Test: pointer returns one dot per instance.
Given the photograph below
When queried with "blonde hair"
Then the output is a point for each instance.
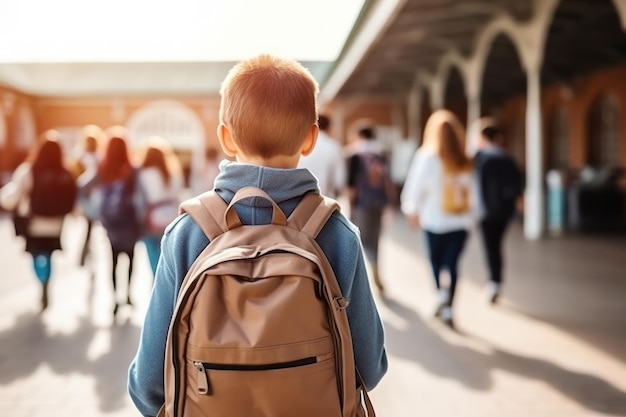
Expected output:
(269, 104)
(445, 136)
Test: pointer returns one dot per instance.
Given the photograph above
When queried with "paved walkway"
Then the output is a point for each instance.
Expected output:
(555, 346)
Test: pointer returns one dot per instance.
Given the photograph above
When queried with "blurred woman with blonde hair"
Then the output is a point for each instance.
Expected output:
(440, 196)
(161, 184)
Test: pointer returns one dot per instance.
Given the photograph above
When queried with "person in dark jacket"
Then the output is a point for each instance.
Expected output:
(500, 183)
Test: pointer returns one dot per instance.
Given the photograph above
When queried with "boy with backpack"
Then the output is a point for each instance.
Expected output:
(237, 302)
(500, 182)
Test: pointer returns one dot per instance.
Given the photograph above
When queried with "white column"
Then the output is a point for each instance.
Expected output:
(533, 201)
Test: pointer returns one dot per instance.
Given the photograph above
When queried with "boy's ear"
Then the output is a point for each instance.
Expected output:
(309, 142)
(226, 140)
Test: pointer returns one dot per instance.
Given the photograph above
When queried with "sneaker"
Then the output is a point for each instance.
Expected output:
(446, 316)
(493, 291)
(443, 298)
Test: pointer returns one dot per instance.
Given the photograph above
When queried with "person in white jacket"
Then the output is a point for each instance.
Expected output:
(440, 197)
(326, 161)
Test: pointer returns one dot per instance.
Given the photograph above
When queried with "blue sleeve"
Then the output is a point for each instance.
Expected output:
(145, 375)
(342, 245)
(180, 246)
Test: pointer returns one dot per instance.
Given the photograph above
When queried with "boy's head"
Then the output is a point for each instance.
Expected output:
(268, 106)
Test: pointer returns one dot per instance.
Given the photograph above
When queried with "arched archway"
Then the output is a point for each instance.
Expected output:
(454, 95)
(503, 77)
(583, 36)
(177, 124)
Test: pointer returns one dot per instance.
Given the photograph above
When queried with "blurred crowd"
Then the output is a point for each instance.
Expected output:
(134, 194)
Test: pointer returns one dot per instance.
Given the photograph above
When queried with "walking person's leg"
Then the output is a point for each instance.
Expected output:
(434, 242)
(493, 235)
(131, 257)
(85, 251)
(454, 244)
(115, 254)
(42, 265)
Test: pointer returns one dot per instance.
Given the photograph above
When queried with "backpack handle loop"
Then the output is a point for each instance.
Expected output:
(231, 217)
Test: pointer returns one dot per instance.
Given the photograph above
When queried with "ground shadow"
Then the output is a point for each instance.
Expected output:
(29, 344)
(421, 342)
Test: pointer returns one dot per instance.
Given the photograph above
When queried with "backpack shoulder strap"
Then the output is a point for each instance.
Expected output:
(203, 210)
(312, 213)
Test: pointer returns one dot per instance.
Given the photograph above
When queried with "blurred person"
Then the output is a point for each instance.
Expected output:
(369, 191)
(161, 183)
(326, 161)
(85, 164)
(440, 196)
(43, 191)
(204, 179)
(116, 181)
(500, 184)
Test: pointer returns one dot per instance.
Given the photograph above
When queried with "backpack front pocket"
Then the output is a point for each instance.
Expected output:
(303, 387)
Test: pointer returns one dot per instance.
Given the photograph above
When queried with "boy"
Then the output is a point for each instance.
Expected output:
(268, 116)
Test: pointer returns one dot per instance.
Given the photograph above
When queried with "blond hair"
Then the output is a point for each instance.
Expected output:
(269, 104)
(445, 136)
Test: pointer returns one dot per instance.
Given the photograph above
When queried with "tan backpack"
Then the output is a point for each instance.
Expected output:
(260, 326)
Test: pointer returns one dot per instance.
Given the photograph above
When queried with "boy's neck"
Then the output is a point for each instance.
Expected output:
(278, 161)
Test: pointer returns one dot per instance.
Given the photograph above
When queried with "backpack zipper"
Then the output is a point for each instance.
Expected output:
(204, 385)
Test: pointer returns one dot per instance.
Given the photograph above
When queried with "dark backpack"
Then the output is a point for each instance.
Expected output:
(372, 181)
(501, 185)
(117, 206)
(53, 193)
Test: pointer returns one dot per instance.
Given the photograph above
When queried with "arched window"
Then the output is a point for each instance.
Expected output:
(558, 157)
(603, 135)
(177, 124)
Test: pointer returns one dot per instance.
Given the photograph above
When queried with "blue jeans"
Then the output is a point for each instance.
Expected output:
(444, 252)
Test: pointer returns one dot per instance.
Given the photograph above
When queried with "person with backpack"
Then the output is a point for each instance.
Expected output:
(116, 183)
(500, 183)
(369, 192)
(42, 190)
(440, 197)
(258, 280)
(85, 163)
(160, 181)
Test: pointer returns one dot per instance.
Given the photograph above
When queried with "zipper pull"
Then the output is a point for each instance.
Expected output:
(203, 379)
